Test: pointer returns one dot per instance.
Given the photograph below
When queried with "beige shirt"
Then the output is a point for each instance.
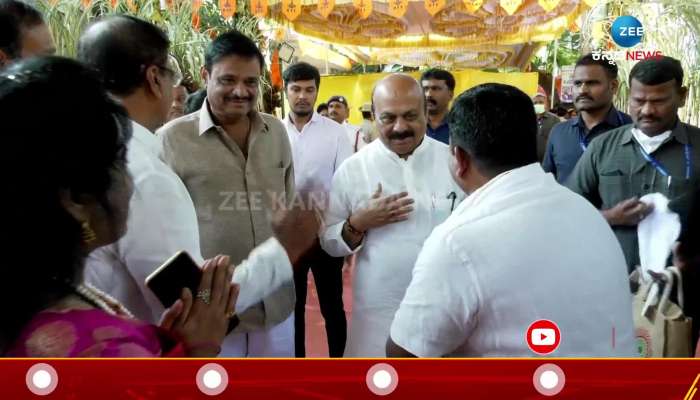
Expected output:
(234, 196)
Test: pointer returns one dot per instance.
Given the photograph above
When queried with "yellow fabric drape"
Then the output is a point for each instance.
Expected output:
(473, 5)
(357, 89)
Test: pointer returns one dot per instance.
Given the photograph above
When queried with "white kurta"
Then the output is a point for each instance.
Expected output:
(386, 257)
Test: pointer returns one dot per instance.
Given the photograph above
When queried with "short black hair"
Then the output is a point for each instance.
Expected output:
(76, 158)
(657, 70)
(609, 68)
(441, 75)
(231, 43)
(195, 101)
(496, 125)
(321, 107)
(301, 71)
(121, 47)
(15, 16)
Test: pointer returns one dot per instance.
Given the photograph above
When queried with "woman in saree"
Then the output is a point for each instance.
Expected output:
(66, 193)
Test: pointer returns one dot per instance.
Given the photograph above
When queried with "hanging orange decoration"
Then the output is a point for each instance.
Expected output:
(397, 8)
(473, 5)
(86, 3)
(548, 5)
(325, 7)
(227, 8)
(196, 20)
(291, 9)
(258, 8)
(363, 7)
(114, 4)
(511, 6)
(131, 5)
(275, 73)
(434, 6)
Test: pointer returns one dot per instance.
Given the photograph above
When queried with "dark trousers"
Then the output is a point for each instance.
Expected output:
(328, 276)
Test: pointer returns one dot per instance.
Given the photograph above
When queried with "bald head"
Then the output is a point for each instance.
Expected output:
(120, 47)
(397, 85)
(399, 109)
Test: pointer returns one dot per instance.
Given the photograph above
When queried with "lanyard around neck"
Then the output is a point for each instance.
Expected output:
(583, 142)
(654, 162)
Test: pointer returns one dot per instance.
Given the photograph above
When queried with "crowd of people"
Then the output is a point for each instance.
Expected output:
(466, 218)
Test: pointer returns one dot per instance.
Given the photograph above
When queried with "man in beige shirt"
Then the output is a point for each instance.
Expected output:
(237, 166)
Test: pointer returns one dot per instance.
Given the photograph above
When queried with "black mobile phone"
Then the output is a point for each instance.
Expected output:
(179, 272)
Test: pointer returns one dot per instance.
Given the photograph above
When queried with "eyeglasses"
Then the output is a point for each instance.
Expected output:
(173, 68)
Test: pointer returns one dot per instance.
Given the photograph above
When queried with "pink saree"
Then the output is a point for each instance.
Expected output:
(91, 333)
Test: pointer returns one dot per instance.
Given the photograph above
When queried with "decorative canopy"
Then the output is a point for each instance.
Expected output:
(498, 33)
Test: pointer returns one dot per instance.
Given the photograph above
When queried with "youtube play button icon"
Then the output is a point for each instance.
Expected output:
(543, 336)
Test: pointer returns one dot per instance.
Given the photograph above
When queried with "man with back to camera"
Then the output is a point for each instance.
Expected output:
(595, 85)
(504, 258)
(657, 154)
(438, 86)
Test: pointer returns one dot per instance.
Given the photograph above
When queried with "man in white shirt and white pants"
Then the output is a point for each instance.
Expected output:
(385, 201)
(319, 147)
(162, 219)
(520, 248)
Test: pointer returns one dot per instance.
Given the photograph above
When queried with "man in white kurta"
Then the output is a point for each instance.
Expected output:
(162, 218)
(386, 227)
(520, 248)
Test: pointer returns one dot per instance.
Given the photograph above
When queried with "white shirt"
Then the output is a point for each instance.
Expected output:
(519, 249)
(317, 151)
(162, 221)
(387, 255)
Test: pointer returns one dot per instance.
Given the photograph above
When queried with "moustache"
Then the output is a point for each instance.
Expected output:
(651, 118)
(237, 98)
(584, 97)
(431, 101)
(400, 135)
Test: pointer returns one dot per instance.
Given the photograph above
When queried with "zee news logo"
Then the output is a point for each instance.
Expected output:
(626, 31)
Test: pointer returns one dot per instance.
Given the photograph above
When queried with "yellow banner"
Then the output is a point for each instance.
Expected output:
(591, 3)
(258, 8)
(511, 6)
(227, 8)
(364, 7)
(291, 9)
(548, 5)
(325, 7)
(434, 6)
(473, 5)
(357, 89)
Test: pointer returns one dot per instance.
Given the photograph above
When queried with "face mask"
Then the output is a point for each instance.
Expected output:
(539, 108)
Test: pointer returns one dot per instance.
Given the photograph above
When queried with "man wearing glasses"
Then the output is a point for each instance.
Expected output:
(132, 56)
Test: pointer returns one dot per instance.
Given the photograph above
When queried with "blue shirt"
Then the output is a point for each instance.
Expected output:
(568, 140)
(442, 133)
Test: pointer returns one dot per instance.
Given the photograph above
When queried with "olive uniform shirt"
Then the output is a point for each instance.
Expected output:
(613, 169)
